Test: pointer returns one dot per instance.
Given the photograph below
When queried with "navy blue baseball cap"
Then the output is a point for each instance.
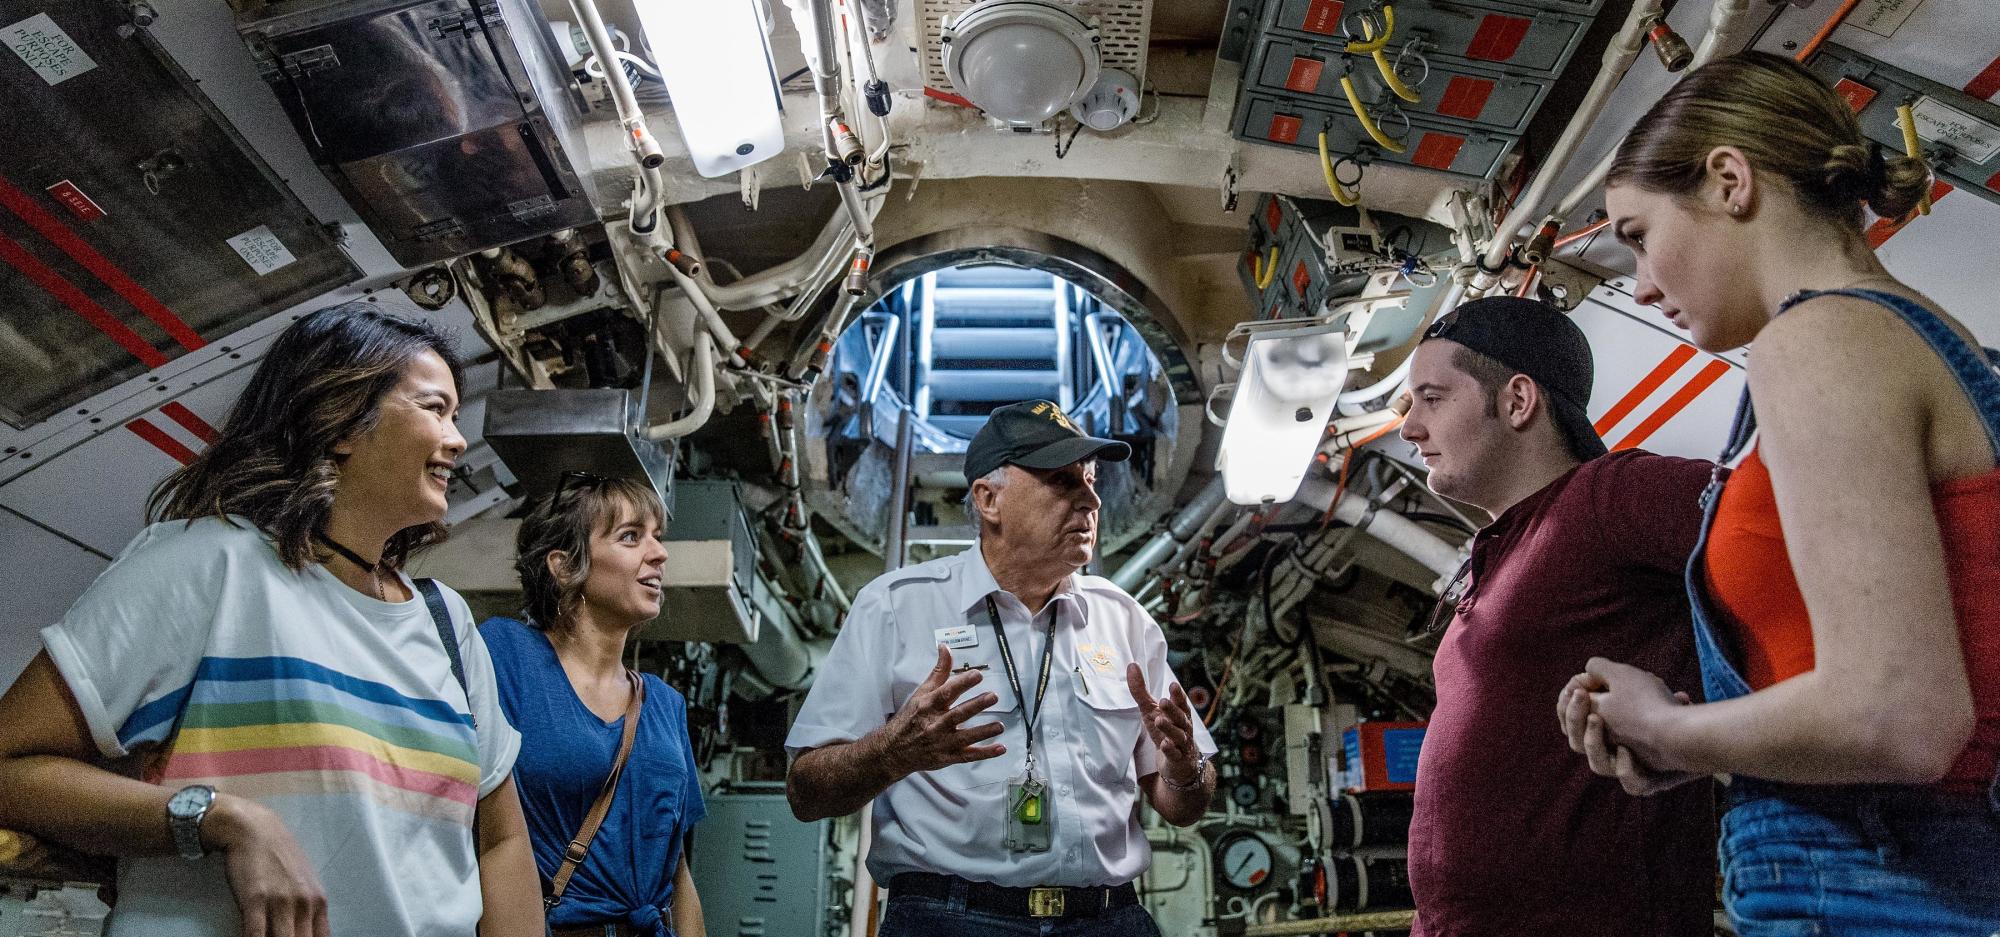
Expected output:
(1035, 434)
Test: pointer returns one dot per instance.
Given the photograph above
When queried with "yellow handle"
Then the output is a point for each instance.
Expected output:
(1376, 44)
(1264, 270)
(1367, 123)
(1340, 193)
(1388, 71)
(1906, 116)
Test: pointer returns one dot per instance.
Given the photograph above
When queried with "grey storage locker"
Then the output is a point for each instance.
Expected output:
(1454, 91)
(1432, 144)
(1489, 35)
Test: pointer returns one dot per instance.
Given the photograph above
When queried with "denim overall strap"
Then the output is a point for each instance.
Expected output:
(1969, 363)
(1719, 677)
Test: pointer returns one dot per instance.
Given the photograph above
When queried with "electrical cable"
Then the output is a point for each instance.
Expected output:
(1367, 121)
(1340, 194)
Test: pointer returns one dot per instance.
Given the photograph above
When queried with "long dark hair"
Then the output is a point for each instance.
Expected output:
(565, 520)
(1787, 122)
(273, 462)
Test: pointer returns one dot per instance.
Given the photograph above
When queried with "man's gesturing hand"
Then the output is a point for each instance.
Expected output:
(1169, 725)
(926, 733)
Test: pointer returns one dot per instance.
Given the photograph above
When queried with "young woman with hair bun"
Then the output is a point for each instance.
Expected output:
(1844, 609)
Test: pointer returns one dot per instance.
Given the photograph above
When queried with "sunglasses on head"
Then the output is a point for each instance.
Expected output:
(579, 480)
(1443, 327)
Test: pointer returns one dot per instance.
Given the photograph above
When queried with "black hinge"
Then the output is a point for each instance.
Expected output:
(452, 25)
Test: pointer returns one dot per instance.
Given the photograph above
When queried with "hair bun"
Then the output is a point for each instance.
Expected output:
(1853, 170)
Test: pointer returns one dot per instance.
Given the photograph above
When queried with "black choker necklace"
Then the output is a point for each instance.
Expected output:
(349, 555)
(374, 569)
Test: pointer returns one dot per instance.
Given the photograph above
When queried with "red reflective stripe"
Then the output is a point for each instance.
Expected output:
(1994, 182)
(1284, 128)
(1885, 228)
(1674, 405)
(1305, 74)
(190, 421)
(161, 441)
(1498, 38)
(1437, 150)
(99, 267)
(1465, 98)
(1272, 215)
(1856, 94)
(44, 276)
(1323, 17)
(1301, 278)
(1987, 83)
(1638, 394)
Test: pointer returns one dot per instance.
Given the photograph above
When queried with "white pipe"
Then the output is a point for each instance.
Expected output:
(644, 148)
(709, 316)
(1727, 22)
(765, 286)
(1618, 56)
(703, 365)
(1387, 526)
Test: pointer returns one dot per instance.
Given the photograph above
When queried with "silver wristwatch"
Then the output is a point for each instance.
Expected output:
(185, 811)
(1200, 769)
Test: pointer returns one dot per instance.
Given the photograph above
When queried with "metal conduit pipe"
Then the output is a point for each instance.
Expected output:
(1728, 28)
(1387, 526)
(1179, 531)
(710, 318)
(780, 656)
(1618, 56)
(703, 365)
(645, 148)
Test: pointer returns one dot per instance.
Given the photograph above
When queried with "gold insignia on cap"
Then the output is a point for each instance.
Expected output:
(1055, 415)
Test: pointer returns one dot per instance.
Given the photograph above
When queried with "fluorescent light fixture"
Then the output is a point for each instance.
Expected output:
(1290, 382)
(716, 60)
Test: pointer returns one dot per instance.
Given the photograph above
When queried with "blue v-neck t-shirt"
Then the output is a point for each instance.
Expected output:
(566, 752)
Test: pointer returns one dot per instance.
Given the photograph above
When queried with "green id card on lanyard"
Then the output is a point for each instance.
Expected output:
(1030, 814)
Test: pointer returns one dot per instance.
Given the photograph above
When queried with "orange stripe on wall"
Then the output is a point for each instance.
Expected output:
(1674, 405)
(1638, 394)
(1885, 228)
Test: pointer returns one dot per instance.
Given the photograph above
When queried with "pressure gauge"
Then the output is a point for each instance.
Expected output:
(1245, 860)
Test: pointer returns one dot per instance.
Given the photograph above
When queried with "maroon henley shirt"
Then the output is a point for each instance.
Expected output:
(1513, 834)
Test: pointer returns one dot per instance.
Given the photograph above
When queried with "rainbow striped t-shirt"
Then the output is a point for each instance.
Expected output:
(337, 711)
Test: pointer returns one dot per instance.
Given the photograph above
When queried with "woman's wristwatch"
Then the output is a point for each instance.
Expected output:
(1200, 770)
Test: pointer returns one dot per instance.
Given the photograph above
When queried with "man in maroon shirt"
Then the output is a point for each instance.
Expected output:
(1513, 834)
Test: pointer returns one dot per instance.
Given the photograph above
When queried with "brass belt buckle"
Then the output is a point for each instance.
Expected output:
(1045, 902)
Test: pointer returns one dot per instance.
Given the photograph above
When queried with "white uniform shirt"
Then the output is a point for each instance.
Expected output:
(1090, 743)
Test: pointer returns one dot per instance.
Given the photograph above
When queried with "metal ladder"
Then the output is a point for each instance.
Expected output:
(996, 334)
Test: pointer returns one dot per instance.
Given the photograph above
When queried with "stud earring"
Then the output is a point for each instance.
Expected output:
(1736, 209)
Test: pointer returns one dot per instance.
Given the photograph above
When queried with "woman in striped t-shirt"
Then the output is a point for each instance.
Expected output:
(316, 758)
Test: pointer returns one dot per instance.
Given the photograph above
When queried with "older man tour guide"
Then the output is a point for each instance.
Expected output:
(1005, 712)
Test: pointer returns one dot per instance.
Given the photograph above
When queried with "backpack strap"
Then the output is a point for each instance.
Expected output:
(447, 635)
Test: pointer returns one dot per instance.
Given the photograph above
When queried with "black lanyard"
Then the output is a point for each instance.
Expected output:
(1031, 716)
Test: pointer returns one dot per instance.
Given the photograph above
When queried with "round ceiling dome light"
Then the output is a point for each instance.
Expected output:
(1020, 61)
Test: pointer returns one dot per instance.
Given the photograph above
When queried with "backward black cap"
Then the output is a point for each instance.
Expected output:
(1035, 434)
(1536, 339)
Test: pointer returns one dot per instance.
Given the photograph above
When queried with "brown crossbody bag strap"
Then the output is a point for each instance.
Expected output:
(580, 846)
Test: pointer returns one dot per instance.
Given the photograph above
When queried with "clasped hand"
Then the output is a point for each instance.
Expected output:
(1606, 712)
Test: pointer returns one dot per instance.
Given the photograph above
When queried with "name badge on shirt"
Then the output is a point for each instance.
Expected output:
(958, 636)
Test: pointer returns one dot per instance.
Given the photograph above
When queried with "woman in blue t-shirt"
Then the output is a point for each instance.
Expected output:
(590, 559)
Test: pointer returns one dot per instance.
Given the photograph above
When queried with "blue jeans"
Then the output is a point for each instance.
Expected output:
(1884, 863)
(917, 916)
